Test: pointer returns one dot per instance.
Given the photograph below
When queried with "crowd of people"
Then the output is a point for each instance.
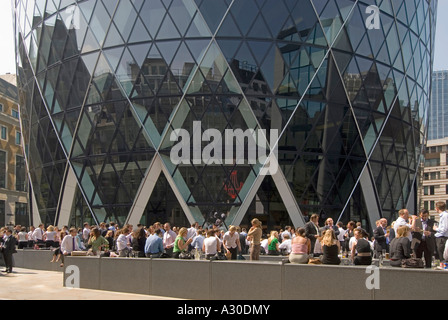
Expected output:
(407, 238)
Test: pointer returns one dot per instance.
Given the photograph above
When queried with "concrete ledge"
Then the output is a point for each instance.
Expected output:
(180, 278)
(324, 282)
(119, 275)
(240, 280)
(245, 280)
(232, 280)
(34, 259)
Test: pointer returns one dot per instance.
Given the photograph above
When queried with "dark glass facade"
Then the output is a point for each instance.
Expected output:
(104, 83)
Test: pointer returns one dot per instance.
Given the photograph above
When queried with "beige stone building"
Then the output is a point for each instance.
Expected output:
(435, 175)
(13, 177)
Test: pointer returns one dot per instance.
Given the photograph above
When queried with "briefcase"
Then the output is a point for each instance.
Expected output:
(79, 253)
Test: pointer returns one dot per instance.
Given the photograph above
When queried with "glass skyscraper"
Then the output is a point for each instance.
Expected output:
(438, 113)
(104, 84)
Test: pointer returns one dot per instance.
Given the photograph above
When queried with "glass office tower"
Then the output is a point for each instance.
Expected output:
(438, 112)
(104, 84)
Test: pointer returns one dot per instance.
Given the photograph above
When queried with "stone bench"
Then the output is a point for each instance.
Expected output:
(245, 280)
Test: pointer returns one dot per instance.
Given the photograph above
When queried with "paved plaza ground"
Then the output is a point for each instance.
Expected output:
(25, 284)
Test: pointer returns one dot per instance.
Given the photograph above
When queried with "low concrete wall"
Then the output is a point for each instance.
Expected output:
(244, 280)
(34, 259)
(270, 279)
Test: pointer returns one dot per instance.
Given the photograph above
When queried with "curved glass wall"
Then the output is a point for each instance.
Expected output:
(104, 84)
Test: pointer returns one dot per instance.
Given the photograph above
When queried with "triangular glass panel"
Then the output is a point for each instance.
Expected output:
(167, 30)
(100, 23)
(139, 33)
(152, 14)
(113, 37)
(125, 18)
(213, 12)
(198, 28)
(259, 29)
(228, 28)
(275, 14)
(162, 204)
(244, 12)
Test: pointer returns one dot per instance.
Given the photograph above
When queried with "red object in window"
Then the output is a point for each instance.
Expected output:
(235, 187)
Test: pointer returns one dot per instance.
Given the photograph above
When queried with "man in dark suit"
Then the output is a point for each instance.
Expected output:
(312, 230)
(381, 237)
(8, 249)
(424, 236)
(329, 225)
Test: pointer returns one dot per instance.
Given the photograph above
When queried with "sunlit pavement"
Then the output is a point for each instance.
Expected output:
(25, 284)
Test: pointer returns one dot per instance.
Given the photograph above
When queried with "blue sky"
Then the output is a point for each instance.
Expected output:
(7, 60)
(441, 49)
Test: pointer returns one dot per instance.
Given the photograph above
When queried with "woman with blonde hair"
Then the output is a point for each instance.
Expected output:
(254, 236)
(400, 247)
(180, 244)
(50, 237)
(231, 242)
(273, 245)
(330, 248)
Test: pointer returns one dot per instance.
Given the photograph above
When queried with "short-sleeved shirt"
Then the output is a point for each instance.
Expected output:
(273, 245)
(231, 241)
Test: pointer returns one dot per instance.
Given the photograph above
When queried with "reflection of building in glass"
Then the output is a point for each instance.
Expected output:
(106, 87)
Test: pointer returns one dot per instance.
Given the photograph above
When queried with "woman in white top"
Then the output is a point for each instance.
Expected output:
(231, 242)
(49, 237)
(122, 243)
(22, 238)
(211, 245)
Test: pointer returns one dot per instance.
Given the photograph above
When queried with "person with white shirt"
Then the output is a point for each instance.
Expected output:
(403, 219)
(123, 243)
(22, 238)
(211, 245)
(286, 232)
(441, 231)
(169, 237)
(265, 245)
(341, 236)
(50, 237)
(86, 233)
(198, 241)
(231, 242)
(191, 234)
(38, 234)
(285, 247)
(69, 244)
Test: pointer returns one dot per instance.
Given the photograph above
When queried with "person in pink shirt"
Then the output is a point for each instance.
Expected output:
(169, 238)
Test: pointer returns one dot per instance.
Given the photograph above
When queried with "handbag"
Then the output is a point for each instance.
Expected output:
(219, 256)
(185, 255)
(228, 255)
(412, 263)
(314, 261)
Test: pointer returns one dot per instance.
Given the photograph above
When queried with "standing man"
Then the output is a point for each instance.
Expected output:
(8, 249)
(312, 230)
(169, 237)
(425, 237)
(442, 230)
(405, 220)
(86, 233)
(381, 236)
